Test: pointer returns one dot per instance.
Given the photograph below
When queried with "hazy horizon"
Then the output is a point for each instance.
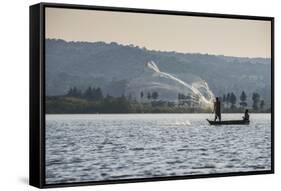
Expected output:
(134, 45)
(182, 34)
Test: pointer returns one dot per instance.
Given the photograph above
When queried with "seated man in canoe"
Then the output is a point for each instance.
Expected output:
(217, 109)
(246, 115)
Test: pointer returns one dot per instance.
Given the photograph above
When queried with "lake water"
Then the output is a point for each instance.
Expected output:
(125, 146)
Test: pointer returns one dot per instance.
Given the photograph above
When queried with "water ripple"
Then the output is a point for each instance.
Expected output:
(109, 147)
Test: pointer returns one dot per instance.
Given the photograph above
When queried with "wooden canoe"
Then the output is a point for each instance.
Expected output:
(229, 122)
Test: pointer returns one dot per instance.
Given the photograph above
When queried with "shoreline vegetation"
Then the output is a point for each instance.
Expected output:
(92, 101)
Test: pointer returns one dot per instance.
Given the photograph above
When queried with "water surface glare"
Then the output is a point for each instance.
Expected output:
(98, 147)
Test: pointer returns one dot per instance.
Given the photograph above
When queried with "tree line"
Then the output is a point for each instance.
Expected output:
(91, 93)
(230, 100)
(93, 100)
(149, 95)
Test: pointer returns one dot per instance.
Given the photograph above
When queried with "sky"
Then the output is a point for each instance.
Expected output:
(186, 34)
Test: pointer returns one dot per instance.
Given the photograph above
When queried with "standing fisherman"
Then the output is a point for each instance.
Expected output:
(217, 109)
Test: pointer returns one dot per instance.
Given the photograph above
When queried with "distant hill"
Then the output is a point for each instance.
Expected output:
(113, 67)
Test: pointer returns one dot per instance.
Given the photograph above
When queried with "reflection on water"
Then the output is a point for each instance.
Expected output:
(125, 146)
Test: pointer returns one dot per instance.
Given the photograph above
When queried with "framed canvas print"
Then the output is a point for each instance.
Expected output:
(123, 95)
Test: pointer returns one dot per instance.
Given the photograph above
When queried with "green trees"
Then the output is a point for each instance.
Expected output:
(180, 96)
(262, 104)
(243, 98)
(183, 97)
(74, 92)
(228, 99)
(224, 98)
(88, 94)
(232, 100)
(154, 95)
(256, 100)
(141, 95)
(148, 96)
(89, 101)
(92, 100)
(98, 94)
(93, 94)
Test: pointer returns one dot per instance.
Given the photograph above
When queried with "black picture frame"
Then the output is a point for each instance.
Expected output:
(37, 93)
